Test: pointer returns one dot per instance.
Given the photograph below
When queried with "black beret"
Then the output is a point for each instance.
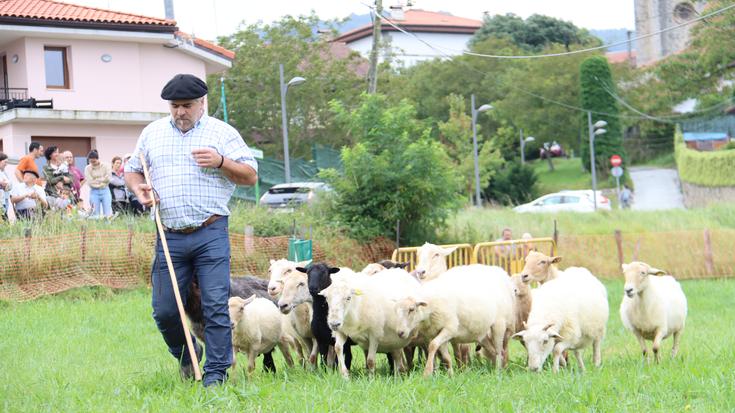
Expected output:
(184, 87)
(31, 171)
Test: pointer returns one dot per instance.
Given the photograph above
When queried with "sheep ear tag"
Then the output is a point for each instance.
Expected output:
(358, 292)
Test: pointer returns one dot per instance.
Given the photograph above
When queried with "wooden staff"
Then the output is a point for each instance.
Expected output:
(174, 281)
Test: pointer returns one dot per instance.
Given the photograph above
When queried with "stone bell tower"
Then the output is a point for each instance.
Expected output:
(654, 15)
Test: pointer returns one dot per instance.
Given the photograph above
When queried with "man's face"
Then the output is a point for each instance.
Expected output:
(186, 113)
(507, 235)
(2, 164)
(37, 153)
(69, 157)
(29, 178)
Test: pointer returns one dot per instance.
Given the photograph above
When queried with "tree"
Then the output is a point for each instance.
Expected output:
(252, 85)
(395, 172)
(456, 136)
(597, 90)
(534, 33)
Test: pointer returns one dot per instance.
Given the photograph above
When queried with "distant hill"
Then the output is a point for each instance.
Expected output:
(353, 21)
(613, 36)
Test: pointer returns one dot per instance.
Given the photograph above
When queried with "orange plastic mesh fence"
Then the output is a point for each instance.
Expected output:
(32, 267)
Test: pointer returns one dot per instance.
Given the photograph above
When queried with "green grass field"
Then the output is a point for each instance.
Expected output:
(567, 174)
(93, 350)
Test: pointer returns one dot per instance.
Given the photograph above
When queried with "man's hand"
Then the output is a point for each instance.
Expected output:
(144, 194)
(207, 157)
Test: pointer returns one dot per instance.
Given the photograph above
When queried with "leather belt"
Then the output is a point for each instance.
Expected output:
(188, 230)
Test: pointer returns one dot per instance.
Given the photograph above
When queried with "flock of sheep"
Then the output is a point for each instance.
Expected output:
(322, 311)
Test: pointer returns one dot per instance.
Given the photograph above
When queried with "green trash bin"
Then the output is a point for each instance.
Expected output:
(299, 250)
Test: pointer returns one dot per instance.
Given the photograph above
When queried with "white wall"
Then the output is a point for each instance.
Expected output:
(409, 50)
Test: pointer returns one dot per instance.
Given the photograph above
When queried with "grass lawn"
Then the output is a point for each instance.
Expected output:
(97, 351)
(567, 174)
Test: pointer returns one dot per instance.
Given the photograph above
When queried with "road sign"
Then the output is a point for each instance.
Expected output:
(617, 171)
(616, 160)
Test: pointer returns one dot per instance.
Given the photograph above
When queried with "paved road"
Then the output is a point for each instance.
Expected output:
(656, 189)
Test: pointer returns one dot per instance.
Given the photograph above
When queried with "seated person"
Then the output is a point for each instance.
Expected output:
(505, 250)
(28, 198)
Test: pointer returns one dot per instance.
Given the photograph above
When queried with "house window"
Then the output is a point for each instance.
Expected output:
(57, 68)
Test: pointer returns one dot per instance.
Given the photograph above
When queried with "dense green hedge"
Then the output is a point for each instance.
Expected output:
(715, 168)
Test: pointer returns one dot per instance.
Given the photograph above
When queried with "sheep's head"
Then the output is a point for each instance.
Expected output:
(319, 276)
(539, 341)
(520, 288)
(277, 270)
(392, 264)
(372, 269)
(340, 297)
(237, 308)
(295, 291)
(636, 277)
(410, 313)
(538, 266)
(432, 261)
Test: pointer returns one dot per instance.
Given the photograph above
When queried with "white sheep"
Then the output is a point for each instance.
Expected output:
(542, 268)
(363, 308)
(295, 301)
(256, 328)
(466, 304)
(277, 270)
(372, 269)
(523, 300)
(431, 261)
(653, 307)
(568, 313)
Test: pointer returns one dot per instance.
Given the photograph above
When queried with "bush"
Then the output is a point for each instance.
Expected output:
(512, 185)
(395, 172)
(704, 168)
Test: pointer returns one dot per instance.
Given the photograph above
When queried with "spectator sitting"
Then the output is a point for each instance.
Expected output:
(57, 176)
(77, 175)
(505, 250)
(27, 196)
(118, 191)
(97, 175)
(5, 188)
(28, 162)
(527, 245)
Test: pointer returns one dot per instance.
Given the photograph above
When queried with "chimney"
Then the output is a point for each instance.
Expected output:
(168, 5)
(396, 12)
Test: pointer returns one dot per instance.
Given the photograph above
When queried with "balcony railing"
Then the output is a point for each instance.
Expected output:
(10, 93)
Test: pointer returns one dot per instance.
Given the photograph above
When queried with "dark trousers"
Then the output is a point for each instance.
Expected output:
(204, 254)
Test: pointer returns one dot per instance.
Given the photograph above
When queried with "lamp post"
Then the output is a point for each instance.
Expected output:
(475, 111)
(523, 146)
(284, 121)
(594, 130)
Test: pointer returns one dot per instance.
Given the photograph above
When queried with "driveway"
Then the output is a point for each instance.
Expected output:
(656, 189)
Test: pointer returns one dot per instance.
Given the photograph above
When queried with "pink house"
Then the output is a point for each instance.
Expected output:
(83, 78)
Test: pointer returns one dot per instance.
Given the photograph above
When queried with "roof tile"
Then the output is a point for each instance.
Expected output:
(54, 10)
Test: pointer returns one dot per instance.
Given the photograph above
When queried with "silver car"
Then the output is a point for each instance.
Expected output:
(285, 197)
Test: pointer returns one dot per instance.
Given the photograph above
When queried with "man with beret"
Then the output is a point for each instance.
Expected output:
(195, 162)
(27, 196)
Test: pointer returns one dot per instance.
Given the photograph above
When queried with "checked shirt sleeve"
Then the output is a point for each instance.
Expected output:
(133, 164)
(235, 148)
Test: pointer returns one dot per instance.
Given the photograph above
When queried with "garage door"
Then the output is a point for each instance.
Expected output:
(79, 146)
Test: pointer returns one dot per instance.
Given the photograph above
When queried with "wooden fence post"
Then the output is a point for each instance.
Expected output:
(249, 239)
(709, 264)
(130, 240)
(619, 243)
(84, 243)
(556, 235)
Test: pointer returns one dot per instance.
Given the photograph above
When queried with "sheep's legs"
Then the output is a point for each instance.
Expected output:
(597, 352)
(339, 344)
(657, 345)
(286, 351)
(314, 352)
(251, 361)
(675, 348)
(372, 350)
(398, 364)
(559, 349)
(434, 345)
(498, 339)
(233, 367)
(444, 351)
(642, 343)
(580, 361)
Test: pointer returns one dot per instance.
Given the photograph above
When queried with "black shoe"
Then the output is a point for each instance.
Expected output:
(186, 370)
(214, 380)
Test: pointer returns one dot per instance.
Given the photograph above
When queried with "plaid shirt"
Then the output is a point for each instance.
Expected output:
(188, 193)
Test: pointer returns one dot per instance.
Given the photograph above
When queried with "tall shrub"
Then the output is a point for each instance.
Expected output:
(596, 91)
(394, 173)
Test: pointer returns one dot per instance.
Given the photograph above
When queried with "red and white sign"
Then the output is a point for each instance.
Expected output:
(616, 160)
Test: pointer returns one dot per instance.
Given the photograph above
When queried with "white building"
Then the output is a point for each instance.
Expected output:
(449, 34)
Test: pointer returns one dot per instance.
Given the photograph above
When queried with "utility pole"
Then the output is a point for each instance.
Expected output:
(373, 70)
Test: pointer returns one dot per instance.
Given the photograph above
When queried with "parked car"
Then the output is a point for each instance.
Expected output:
(285, 197)
(552, 148)
(576, 200)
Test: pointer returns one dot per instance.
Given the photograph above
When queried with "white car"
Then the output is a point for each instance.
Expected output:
(284, 197)
(576, 201)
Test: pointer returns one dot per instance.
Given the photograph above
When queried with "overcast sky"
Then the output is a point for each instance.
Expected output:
(211, 18)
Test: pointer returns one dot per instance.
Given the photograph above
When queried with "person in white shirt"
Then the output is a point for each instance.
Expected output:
(5, 187)
(27, 197)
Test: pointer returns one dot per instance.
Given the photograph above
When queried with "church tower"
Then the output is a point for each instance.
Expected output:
(654, 15)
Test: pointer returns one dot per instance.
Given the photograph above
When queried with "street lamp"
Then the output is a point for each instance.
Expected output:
(284, 121)
(523, 146)
(475, 111)
(594, 130)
